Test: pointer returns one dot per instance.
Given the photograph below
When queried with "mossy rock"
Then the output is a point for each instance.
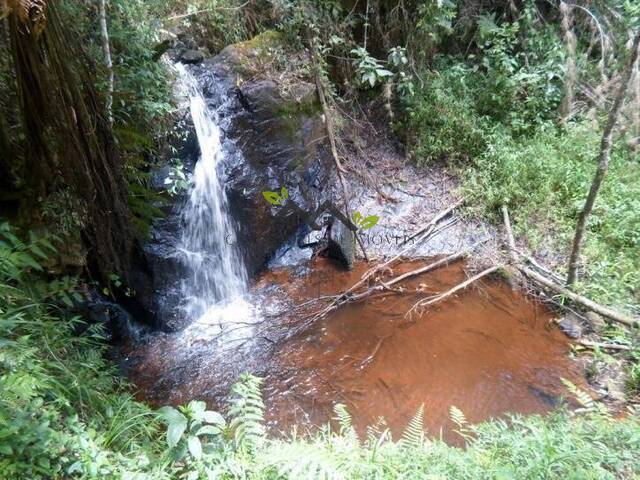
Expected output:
(268, 57)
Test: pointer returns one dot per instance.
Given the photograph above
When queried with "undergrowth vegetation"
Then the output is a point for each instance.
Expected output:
(492, 116)
(64, 413)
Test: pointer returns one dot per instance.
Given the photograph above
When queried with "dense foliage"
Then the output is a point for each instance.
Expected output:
(493, 117)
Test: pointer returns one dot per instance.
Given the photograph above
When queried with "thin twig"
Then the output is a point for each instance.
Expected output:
(430, 301)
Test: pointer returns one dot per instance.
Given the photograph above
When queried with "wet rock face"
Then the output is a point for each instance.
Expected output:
(275, 122)
(192, 56)
(272, 132)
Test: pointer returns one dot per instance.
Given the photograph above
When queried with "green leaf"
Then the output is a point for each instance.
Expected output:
(214, 418)
(209, 430)
(284, 193)
(177, 424)
(369, 222)
(29, 261)
(273, 198)
(175, 432)
(197, 409)
(35, 249)
(195, 447)
(170, 414)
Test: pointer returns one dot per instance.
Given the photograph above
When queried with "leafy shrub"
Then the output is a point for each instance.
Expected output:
(441, 118)
(544, 180)
(519, 87)
(62, 407)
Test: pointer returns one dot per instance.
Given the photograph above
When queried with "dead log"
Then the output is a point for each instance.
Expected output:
(609, 346)
(551, 285)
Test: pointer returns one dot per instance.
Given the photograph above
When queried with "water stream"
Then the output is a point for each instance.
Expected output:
(216, 282)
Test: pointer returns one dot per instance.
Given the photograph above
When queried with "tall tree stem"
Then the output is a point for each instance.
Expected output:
(106, 50)
(603, 163)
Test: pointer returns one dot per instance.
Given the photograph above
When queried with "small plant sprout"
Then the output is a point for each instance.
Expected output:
(275, 198)
(365, 223)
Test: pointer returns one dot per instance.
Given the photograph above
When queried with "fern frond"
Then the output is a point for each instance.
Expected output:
(413, 436)
(300, 460)
(375, 431)
(458, 417)
(247, 413)
(343, 417)
(589, 404)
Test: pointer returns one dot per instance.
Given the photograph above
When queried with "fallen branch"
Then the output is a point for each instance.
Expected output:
(442, 296)
(434, 220)
(432, 266)
(551, 285)
(510, 239)
(418, 271)
(343, 298)
(610, 346)
(576, 298)
(372, 356)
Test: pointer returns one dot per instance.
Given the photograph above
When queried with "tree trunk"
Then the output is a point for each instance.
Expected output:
(69, 140)
(603, 163)
(570, 61)
(106, 50)
(635, 109)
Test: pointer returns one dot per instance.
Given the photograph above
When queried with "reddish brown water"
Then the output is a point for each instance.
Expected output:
(488, 351)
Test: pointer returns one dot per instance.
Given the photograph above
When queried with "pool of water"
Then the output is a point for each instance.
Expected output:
(488, 350)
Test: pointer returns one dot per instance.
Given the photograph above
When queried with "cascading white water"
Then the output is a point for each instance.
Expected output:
(216, 280)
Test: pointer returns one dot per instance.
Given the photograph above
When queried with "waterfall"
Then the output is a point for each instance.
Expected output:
(216, 280)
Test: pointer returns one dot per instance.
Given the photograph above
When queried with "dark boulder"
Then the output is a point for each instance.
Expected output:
(342, 244)
(276, 124)
(192, 56)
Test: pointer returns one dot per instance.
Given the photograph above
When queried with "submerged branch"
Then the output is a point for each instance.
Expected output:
(444, 295)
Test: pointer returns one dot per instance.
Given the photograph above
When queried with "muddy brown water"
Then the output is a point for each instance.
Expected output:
(488, 351)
